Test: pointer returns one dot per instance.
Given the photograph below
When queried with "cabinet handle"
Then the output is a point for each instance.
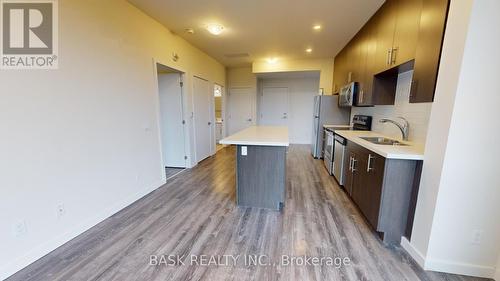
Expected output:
(354, 164)
(350, 163)
(389, 57)
(368, 167)
(361, 96)
(393, 55)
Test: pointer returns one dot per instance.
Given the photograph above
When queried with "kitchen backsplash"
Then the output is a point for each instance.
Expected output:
(417, 114)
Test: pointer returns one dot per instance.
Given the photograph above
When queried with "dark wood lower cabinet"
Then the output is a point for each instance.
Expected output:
(382, 189)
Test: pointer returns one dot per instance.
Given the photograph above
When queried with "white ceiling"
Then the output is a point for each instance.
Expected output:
(264, 28)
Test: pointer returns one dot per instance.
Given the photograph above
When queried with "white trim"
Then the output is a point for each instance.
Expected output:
(460, 268)
(49, 246)
(449, 266)
(187, 152)
(413, 252)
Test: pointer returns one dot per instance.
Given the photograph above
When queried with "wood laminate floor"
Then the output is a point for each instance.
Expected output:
(195, 214)
(170, 172)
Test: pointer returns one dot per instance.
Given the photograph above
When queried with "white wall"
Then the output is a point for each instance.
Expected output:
(442, 109)
(459, 190)
(497, 275)
(301, 103)
(417, 114)
(85, 135)
(324, 66)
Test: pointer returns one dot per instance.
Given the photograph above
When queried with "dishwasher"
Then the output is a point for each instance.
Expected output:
(338, 162)
(328, 151)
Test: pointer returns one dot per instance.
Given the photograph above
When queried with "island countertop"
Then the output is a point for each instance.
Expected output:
(259, 135)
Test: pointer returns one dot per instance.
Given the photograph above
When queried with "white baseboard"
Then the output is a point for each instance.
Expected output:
(460, 268)
(58, 241)
(447, 266)
(413, 252)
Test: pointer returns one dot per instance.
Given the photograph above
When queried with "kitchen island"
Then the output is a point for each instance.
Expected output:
(260, 166)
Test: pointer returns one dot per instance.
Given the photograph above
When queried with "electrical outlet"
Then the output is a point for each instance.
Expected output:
(477, 237)
(20, 228)
(61, 211)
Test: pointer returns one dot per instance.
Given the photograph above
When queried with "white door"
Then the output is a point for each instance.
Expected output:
(241, 109)
(171, 117)
(274, 106)
(202, 103)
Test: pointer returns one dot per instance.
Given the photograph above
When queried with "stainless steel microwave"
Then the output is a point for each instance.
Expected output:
(347, 94)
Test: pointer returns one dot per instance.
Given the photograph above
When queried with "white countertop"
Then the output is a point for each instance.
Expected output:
(411, 152)
(337, 126)
(259, 135)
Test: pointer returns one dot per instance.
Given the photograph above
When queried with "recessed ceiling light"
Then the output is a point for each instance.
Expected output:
(272, 60)
(317, 27)
(215, 29)
(309, 50)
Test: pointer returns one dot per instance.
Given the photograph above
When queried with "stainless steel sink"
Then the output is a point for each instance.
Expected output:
(383, 141)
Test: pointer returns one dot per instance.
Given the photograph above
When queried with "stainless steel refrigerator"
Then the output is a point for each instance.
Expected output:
(327, 112)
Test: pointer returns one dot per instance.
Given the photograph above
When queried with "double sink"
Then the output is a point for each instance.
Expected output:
(383, 141)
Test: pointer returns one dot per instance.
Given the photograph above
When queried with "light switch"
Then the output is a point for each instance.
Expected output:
(244, 151)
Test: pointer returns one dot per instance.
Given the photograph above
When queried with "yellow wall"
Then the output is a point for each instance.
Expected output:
(218, 107)
(88, 130)
(325, 66)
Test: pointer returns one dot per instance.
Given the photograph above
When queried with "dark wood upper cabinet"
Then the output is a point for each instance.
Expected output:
(356, 64)
(402, 35)
(385, 25)
(406, 32)
(368, 48)
(339, 76)
(428, 51)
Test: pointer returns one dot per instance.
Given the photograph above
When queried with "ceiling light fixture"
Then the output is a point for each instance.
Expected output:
(215, 29)
(309, 50)
(317, 27)
(272, 60)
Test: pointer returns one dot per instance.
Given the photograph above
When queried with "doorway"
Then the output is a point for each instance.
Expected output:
(203, 124)
(219, 115)
(275, 106)
(241, 109)
(171, 119)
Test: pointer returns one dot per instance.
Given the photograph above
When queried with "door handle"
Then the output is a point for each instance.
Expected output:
(368, 167)
(350, 163)
(209, 123)
(354, 164)
(249, 119)
(389, 57)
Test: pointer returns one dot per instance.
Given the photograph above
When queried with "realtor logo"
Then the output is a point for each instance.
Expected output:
(29, 34)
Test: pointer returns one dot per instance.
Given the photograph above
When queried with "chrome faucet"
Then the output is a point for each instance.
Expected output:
(405, 128)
